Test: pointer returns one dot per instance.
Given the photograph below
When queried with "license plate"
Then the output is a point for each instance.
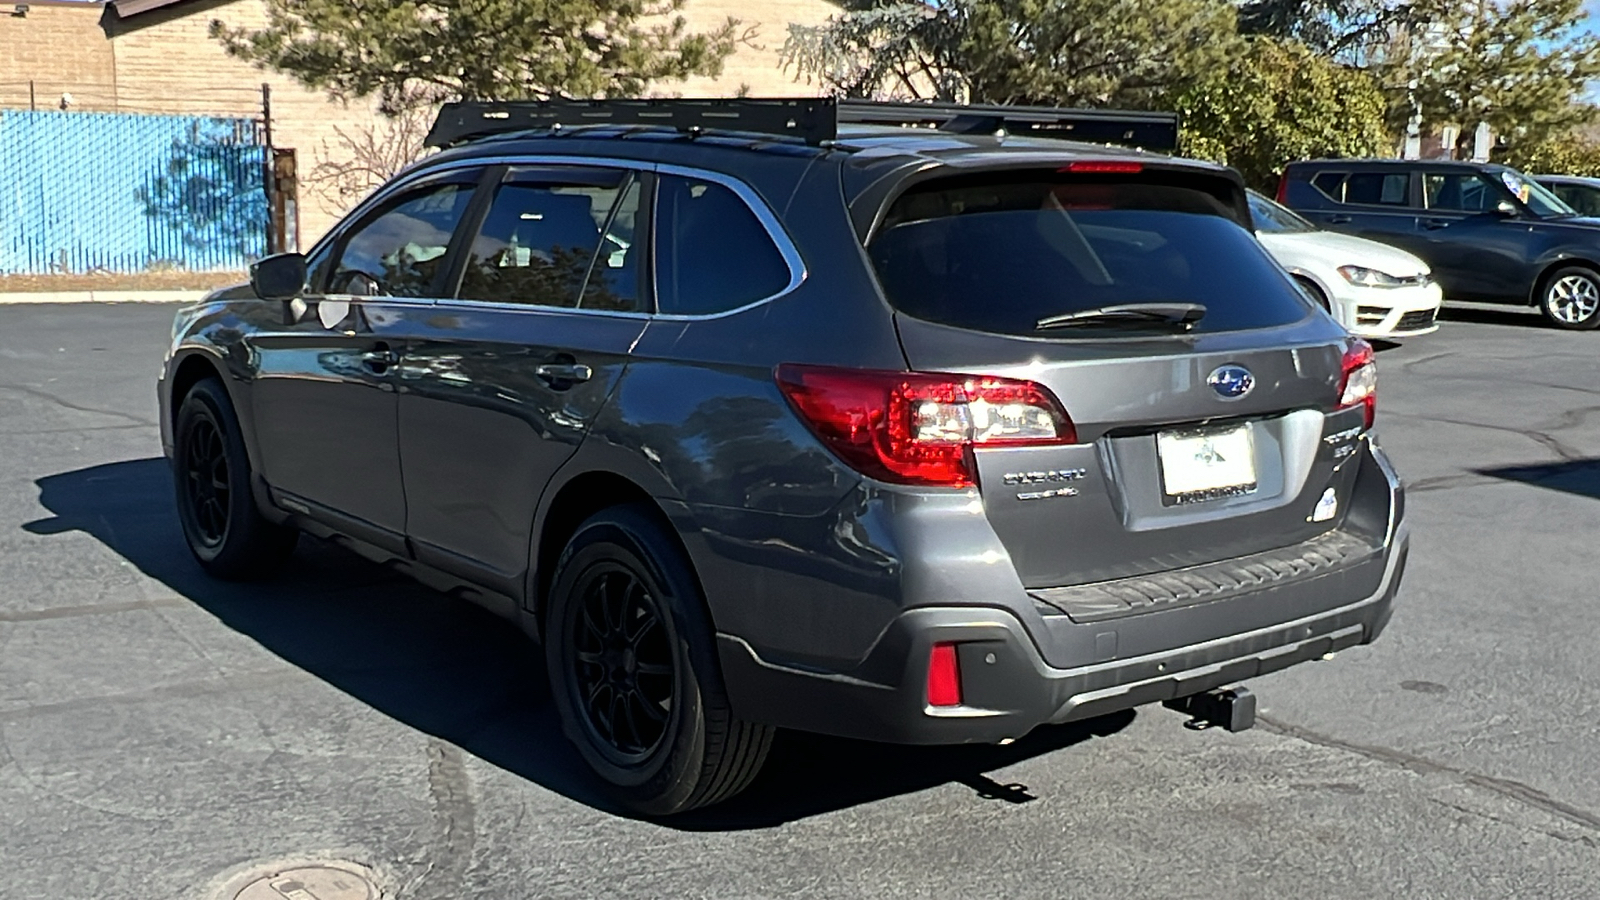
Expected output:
(1206, 464)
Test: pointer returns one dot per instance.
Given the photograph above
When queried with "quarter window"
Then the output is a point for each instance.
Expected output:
(541, 238)
(1462, 192)
(402, 250)
(712, 253)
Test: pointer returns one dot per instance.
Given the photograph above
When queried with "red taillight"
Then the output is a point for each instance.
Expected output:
(916, 427)
(1102, 167)
(1358, 384)
(1283, 189)
(944, 676)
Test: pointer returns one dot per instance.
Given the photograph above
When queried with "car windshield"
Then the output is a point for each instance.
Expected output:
(1535, 195)
(1002, 254)
(1271, 218)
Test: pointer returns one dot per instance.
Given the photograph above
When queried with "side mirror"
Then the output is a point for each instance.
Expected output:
(279, 277)
(1505, 209)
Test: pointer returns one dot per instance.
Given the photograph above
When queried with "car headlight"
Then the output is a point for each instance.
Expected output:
(1364, 277)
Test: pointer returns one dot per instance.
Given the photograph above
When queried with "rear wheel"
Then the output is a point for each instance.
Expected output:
(634, 673)
(225, 532)
(1570, 298)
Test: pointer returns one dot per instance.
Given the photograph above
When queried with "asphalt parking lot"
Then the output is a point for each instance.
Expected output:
(165, 736)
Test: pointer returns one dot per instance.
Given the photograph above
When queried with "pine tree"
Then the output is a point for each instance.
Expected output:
(407, 52)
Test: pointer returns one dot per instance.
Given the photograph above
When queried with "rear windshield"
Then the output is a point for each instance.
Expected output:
(999, 254)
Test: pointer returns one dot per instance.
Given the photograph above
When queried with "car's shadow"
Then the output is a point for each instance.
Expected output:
(1574, 476)
(451, 670)
(1513, 316)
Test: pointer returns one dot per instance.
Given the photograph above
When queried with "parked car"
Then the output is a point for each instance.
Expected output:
(911, 435)
(1489, 233)
(1582, 194)
(1372, 289)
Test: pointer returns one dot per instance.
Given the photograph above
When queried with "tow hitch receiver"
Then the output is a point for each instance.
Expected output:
(1231, 708)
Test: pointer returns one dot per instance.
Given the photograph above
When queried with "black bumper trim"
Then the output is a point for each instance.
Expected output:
(1009, 688)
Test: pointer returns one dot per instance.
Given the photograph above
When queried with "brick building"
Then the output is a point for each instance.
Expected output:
(155, 56)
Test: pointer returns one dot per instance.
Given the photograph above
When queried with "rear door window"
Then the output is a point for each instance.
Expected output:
(713, 254)
(1378, 189)
(1001, 253)
(1331, 184)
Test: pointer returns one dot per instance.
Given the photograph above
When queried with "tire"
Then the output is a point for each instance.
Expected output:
(211, 473)
(633, 669)
(1570, 298)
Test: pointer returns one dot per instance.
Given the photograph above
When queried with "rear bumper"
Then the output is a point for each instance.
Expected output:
(1008, 687)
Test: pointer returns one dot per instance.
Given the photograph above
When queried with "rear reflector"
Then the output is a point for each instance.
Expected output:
(944, 676)
(918, 427)
(1358, 385)
(1103, 167)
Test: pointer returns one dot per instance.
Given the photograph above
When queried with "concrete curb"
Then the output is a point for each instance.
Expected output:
(103, 297)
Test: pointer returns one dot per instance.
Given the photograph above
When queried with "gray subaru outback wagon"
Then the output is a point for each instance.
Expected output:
(766, 414)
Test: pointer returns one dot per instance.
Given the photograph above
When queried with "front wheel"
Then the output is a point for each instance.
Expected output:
(634, 673)
(1570, 298)
(225, 532)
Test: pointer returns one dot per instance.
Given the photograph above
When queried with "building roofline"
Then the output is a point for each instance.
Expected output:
(127, 9)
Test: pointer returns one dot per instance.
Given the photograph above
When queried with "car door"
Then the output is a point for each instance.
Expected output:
(500, 384)
(1478, 250)
(324, 400)
(1380, 205)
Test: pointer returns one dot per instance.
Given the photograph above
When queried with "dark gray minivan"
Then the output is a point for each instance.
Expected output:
(769, 414)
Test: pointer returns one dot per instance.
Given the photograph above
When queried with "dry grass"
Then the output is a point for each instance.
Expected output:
(175, 280)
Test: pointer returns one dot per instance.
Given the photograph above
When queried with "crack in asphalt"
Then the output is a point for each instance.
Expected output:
(1550, 442)
(1479, 814)
(1515, 791)
(94, 609)
(224, 685)
(76, 407)
(455, 832)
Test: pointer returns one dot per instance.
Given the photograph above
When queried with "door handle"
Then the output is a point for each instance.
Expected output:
(1338, 220)
(563, 375)
(379, 359)
(1435, 224)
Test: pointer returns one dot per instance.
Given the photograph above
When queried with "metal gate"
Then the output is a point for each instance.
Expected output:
(98, 192)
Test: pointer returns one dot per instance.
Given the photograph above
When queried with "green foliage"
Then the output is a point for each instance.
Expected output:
(1519, 65)
(1277, 102)
(408, 52)
(1564, 154)
(1078, 53)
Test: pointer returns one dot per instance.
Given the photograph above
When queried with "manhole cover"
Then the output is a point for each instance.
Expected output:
(308, 881)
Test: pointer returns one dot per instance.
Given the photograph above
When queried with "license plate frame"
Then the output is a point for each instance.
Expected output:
(1201, 464)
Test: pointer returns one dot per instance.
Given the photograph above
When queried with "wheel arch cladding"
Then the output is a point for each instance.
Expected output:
(574, 502)
(191, 370)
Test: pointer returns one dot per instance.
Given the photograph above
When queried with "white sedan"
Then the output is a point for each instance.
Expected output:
(1372, 289)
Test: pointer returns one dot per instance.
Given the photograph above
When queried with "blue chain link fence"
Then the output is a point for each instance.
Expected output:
(111, 192)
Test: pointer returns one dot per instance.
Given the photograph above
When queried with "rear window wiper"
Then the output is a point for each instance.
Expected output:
(1185, 314)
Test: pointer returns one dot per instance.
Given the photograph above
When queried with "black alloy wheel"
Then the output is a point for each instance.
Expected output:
(211, 473)
(632, 660)
(623, 663)
(205, 480)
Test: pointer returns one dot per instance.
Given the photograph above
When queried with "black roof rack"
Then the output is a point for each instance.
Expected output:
(813, 120)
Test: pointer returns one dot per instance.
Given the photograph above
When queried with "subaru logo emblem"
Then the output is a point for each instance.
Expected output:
(1231, 382)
